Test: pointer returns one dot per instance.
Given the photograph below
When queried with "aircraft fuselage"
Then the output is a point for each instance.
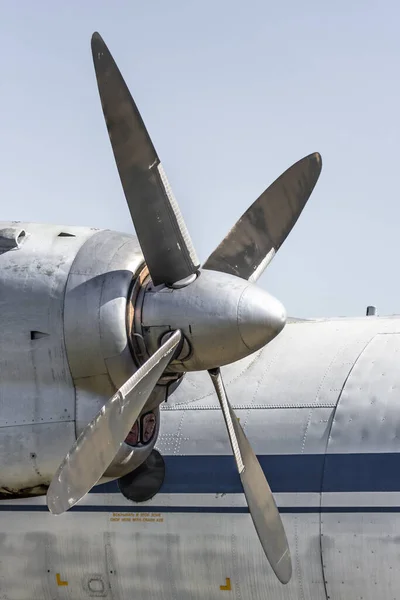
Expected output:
(320, 405)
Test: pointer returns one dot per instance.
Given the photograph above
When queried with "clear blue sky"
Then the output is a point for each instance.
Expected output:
(232, 94)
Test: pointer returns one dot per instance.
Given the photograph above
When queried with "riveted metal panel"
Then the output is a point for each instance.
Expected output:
(31, 454)
(305, 366)
(52, 560)
(169, 556)
(360, 544)
(35, 382)
(368, 415)
(198, 555)
(270, 431)
(304, 542)
(361, 555)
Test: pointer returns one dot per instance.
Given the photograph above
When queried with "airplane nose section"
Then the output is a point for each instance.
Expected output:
(260, 317)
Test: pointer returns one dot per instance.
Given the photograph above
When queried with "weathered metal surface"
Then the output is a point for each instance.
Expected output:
(101, 439)
(31, 453)
(194, 538)
(259, 233)
(37, 396)
(173, 556)
(164, 239)
(360, 551)
(35, 382)
(11, 238)
(96, 333)
(368, 417)
(305, 366)
(45, 341)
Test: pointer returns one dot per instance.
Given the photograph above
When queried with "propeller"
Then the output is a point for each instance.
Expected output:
(217, 314)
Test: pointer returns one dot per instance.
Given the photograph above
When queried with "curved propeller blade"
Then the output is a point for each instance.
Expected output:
(162, 234)
(253, 242)
(260, 500)
(101, 439)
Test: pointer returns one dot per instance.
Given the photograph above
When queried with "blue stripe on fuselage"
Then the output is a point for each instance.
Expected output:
(204, 510)
(217, 474)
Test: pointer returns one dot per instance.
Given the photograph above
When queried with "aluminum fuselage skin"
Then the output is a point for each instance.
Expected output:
(320, 405)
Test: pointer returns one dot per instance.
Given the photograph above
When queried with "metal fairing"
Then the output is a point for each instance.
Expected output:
(37, 396)
(96, 338)
(63, 334)
(320, 407)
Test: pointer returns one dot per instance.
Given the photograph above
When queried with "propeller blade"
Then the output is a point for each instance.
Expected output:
(159, 225)
(101, 439)
(261, 503)
(255, 239)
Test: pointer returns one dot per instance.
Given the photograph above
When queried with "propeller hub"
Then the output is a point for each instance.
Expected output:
(260, 317)
(223, 318)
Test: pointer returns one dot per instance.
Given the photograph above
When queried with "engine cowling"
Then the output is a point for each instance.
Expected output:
(104, 279)
(65, 339)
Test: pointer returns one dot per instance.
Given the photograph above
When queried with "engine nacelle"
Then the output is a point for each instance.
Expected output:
(65, 347)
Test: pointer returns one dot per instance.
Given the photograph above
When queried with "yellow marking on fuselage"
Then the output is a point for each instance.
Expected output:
(227, 587)
(59, 580)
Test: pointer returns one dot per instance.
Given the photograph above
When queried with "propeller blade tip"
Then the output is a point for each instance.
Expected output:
(318, 158)
(97, 43)
(96, 37)
(53, 507)
(283, 569)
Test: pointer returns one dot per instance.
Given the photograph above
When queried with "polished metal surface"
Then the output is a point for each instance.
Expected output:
(253, 242)
(162, 233)
(258, 314)
(260, 500)
(223, 318)
(99, 442)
